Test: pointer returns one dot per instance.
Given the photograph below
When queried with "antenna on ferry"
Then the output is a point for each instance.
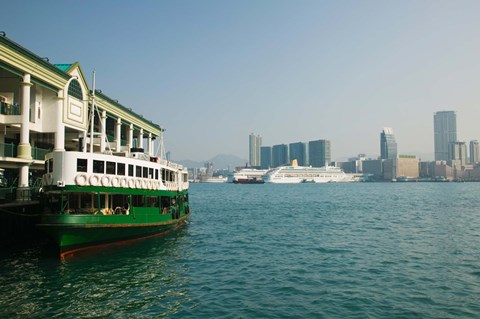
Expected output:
(92, 112)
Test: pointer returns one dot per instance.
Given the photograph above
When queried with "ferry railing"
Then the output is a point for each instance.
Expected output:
(9, 109)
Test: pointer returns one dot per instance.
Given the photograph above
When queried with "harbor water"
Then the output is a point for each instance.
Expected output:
(360, 250)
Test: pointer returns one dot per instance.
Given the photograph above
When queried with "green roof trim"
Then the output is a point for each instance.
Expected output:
(15, 46)
(128, 110)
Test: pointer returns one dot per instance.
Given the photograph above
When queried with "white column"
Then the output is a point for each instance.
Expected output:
(59, 127)
(103, 134)
(130, 137)
(24, 150)
(140, 138)
(118, 134)
(150, 145)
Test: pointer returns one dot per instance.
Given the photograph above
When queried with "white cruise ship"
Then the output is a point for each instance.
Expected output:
(305, 174)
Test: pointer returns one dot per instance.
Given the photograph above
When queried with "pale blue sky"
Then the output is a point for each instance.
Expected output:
(212, 72)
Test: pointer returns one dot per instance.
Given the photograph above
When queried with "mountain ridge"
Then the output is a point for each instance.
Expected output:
(220, 161)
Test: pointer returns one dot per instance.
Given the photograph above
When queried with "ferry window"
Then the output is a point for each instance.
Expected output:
(156, 174)
(121, 169)
(150, 173)
(81, 164)
(98, 167)
(130, 170)
(111, 168)
(145, 172)
(46, 167)
(185, 178)
(164, 175)
(50, 165)
(138, 172)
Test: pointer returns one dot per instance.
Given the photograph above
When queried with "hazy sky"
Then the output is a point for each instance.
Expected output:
(212, 72)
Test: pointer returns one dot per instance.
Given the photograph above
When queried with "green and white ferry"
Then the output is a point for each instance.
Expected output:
(95, 198)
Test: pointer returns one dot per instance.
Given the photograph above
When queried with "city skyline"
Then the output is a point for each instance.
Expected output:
(211, 72)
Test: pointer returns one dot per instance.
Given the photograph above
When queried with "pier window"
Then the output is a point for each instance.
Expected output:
(130, 170)
(121, 169)
(138, 172)
(98, 167)
(111, 168)
(82, 165)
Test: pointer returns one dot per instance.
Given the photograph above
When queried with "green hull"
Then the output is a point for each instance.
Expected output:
(78, 232)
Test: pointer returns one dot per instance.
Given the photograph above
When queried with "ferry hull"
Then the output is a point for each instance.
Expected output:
(75, 233)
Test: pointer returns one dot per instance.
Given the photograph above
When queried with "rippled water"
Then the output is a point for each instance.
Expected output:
(403, 250)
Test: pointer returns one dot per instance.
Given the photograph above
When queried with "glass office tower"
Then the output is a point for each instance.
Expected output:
(445, 132)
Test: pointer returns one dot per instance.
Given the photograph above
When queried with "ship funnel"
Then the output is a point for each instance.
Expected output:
(294, 162)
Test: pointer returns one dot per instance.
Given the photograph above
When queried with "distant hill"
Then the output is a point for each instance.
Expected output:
(221, 161)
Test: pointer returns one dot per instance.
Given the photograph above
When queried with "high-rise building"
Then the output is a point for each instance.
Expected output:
(298, 151)
(319, 153)
(445, 132)
(458, 152)
(388, 145)
(265, 157)
(279, 155)
(474, 152)
(254, 144)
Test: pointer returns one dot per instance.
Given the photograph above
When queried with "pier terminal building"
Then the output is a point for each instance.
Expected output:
(44, 107)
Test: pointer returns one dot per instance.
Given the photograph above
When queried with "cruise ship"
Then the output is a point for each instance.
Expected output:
(295, 174)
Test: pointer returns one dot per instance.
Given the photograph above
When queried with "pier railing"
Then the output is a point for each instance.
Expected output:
(10, 150)
(9, 109)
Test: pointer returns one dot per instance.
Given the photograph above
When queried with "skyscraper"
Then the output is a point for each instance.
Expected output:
(388, 145)
(458, 152)
(279, 155)
(298, 151)
(254, 144)
(445, 132)
(319, 153)
(266, 157)
(474, 152)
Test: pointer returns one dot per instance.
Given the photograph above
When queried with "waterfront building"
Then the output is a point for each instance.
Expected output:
(445, 132)
(265, 157)
(474, 152)
(254, 145)
(457, 153)
(373, 168)
(319, 153)
(279, 155)
(404, 166)
(46, 107)
(298, 151)
(388, 144)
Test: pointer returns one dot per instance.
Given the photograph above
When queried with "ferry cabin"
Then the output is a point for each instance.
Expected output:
(92, 183)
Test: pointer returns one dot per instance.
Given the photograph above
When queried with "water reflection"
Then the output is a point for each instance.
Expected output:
(136, 280)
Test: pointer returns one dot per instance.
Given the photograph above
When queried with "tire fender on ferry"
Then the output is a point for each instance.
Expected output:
(105, 181)
(115, 181)
(81, 179)
(94, 180)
